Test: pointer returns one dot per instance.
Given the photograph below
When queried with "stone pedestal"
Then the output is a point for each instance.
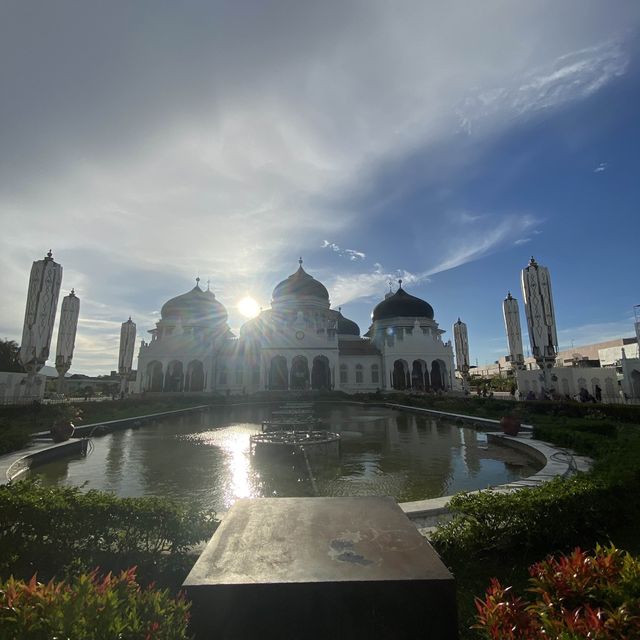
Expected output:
(320, 568)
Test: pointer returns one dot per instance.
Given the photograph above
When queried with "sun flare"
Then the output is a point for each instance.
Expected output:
(248, 307)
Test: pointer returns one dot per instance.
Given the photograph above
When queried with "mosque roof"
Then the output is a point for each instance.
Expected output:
(300, 285)
(346, 327)
(196, 307)
(402, 304)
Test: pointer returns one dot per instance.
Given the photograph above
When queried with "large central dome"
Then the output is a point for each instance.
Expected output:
(404, 305)
(298, 288)
(196, 308)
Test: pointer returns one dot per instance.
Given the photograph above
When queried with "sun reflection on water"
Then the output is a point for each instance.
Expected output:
(233, 441)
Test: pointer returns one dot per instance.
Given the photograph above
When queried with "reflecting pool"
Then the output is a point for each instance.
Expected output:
(205, 457)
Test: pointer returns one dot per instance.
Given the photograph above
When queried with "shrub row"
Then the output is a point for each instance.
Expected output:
(553, 515)
(58, 530)
(12, 439)
(90, 607)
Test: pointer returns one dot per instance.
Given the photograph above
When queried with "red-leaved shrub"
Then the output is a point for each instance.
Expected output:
(100, 608)
(576, 596)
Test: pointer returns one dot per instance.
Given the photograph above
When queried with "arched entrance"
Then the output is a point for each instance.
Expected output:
(173, 380)
(155, 376)
(417, 375)
(635, 383)
(321, 373)
(195, 376)
(278, 374)
(299, 373)
(438, 372)
(401, 378)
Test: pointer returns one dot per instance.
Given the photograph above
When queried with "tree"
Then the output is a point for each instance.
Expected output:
(9, 356)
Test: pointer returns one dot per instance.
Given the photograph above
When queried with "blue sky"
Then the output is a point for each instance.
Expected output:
(441, 142)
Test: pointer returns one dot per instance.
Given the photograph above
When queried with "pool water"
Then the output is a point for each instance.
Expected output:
(204, 457)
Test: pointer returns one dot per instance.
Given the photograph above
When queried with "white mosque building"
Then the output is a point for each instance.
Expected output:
(299, 343)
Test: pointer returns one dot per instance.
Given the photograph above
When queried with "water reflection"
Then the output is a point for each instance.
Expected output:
(204, 458)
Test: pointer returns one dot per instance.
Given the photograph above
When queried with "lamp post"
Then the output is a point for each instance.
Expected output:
(69, 313)
(39, 317)
(541, 322)
(125, 356)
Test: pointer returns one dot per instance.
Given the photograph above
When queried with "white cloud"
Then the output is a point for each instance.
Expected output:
(352, 254)
(600, 168)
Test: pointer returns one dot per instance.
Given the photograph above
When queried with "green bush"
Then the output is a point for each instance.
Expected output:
(553, 515)
(576, 596)
(90, 607)
(12, 439)
(55, 530)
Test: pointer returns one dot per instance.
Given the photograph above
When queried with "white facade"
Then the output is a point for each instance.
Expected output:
(15, 389)
(299, 343)
(570, 381)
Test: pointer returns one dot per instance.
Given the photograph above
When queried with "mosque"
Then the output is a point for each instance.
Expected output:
(299, 343)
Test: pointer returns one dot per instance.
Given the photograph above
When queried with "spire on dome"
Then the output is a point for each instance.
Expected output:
(300, 260)
(400, 283)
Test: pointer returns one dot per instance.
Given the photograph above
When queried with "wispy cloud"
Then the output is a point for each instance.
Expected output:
(370, 285)
(600, 168)
(567, 78)
(352, 254)
(477, 241)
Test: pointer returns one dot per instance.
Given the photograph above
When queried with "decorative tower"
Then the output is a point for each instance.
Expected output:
(511, 314)
(66, 336)
(39, 317)
(461, 340)
(541, 321)
(125, 357)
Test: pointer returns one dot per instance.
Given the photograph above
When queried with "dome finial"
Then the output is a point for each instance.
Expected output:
(208, 284)
(198, 281)
(339, 309)
(73, 292)
(49, 254)
(300, 260)
(532, 262)
(400, 283)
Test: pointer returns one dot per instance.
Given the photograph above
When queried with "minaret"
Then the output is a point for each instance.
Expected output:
(40, 315)
(511, 314)
(461, 340)
(66, 336)
(541, 321)
(125, 356)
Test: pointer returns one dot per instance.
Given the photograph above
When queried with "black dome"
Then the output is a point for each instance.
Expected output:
(300, 284)
(401, 304)
(196, 307)
(346, 327)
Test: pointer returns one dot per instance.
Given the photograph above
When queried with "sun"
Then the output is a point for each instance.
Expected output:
(248, 307)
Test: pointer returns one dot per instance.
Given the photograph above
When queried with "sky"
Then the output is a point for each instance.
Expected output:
(443, 143)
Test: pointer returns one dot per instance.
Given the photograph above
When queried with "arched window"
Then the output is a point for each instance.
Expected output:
(344, 374)
(375, 373)
(359, 375)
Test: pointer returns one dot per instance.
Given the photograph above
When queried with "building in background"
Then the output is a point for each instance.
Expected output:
(298, 343)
